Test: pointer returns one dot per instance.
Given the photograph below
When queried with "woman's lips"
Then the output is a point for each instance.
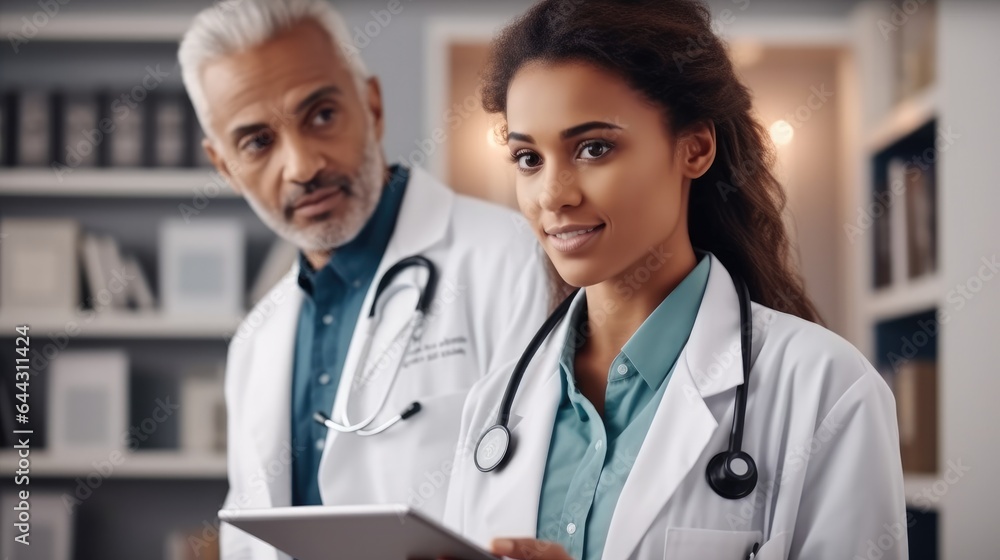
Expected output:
(320, 202)
(570, 241)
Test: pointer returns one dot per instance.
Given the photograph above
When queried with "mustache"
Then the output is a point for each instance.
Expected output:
(337, 181)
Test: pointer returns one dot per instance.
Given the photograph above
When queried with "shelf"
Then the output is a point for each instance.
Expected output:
(127, 183)
(906, 117)
(87, 324)
(104, 27)
(914, 296)
(140, 464)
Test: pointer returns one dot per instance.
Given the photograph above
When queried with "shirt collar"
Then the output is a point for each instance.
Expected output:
(655, 346)
(360, 256)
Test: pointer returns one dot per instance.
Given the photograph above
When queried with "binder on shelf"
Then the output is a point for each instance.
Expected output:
(8, 128)
(34, 129)
(168, 129)
(80, 136)
(126, 143)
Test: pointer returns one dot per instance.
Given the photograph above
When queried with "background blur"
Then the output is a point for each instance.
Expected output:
(884, 116)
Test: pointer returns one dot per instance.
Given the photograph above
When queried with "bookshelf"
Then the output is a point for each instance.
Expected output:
(94, 53)
(957, 333)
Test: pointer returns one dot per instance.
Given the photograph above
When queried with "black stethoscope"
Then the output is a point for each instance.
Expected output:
(732, 473)
(415, 326)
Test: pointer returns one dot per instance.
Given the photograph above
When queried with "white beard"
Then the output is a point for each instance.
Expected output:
(366, 190)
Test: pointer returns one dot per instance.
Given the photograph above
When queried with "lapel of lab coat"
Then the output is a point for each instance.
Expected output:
(269, 389)
(423, 220)
(513, 497)
(683, 424)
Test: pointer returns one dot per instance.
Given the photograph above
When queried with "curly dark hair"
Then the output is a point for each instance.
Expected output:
(667, 50)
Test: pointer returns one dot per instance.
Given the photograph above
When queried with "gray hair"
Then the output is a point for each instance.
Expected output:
(231, 26)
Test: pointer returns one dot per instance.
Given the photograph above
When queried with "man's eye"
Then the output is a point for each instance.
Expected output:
(594, 149)
(258, 142)
(323, 116)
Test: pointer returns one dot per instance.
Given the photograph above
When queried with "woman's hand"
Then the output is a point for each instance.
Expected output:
(528, 549)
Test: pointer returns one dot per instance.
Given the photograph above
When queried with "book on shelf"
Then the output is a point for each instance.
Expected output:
(914, 384)
(113, 279)
(905, 228)
(921, 220)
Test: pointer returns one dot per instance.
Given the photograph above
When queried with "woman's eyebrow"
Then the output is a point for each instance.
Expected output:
(569, 132)
(587, 127)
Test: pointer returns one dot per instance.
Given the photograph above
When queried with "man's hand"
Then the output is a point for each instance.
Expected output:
(528, 549)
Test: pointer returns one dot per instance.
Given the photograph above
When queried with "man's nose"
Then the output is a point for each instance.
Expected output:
(302, 161)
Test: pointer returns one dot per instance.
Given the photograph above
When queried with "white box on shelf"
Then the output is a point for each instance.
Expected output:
(88, 402)
(39, 268)
(49, 534)
(201, 267)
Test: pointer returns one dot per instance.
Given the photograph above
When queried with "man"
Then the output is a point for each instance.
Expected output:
(294, 124)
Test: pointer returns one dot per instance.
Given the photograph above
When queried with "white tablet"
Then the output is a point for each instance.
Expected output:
(374, 532)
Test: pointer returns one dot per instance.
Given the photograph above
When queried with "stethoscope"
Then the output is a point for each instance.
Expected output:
(416, 327)
(732, 473)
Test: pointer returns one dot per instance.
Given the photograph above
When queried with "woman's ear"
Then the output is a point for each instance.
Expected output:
(696, 149)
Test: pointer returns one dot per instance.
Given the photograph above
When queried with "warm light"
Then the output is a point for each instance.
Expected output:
(782, 132)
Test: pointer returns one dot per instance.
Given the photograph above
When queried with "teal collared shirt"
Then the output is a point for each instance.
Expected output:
(590, 457)
(333, 299)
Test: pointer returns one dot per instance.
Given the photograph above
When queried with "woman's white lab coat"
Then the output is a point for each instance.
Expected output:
(820, 424)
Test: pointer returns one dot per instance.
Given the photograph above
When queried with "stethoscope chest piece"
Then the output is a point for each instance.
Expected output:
(732, 474)
(492, 448)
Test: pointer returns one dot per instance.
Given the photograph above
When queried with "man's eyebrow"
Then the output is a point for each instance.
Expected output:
(241, 131)
(569, 132)
(316, 95)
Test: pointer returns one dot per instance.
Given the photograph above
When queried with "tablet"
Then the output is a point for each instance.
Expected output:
(375, 532)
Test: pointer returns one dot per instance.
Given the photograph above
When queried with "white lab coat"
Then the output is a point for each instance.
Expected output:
(820, 425)
(492, 293)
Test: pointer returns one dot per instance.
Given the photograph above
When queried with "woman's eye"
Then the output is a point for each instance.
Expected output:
(594, 149)
(527, 160)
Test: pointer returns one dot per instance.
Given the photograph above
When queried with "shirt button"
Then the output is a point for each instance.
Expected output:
(324, 379)
(599, 444)
(571, 528)
(622, 369)
(357, 283)
(320, 444)
(327, 319)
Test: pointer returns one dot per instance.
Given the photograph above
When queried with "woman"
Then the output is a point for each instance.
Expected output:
(648, 183)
